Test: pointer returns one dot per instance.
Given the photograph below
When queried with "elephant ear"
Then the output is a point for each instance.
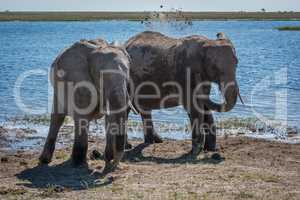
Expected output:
(219, 56)
(222, 36)
(213, 55)
(218, 51)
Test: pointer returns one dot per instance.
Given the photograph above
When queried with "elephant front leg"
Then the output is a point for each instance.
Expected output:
(150, 135)
(210, 131)
(198, 136)
(80, 146)
(55, 124)
(115, 140)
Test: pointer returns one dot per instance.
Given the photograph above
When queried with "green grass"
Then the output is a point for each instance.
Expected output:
(253, 176)
(137, 16)
(245, 195)
(249, 123)
(233, 123)
(288, 28)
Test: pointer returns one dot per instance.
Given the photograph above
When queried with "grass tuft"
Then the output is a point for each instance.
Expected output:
(245, 195)
(12, 191)
(52, 191)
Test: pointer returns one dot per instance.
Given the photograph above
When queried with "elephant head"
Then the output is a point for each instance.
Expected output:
(111, 65)
(109, 68)
(219, 66)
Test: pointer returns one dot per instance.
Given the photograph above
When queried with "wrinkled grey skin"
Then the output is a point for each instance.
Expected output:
(160, 59)
(85, 61)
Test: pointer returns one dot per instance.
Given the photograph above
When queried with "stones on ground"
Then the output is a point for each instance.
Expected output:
(291, 132)
(59, 188)
(52, 191)
(96, 155)
(23, 162)
(4, 159)
(12, 191)
(105, 181)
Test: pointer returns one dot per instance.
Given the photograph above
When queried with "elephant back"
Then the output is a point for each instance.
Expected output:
(71, 65)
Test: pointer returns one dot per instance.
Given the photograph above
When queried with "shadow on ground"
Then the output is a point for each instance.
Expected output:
(136, 155)
(65, 175)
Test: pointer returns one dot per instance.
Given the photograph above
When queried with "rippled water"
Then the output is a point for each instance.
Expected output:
(268, 72)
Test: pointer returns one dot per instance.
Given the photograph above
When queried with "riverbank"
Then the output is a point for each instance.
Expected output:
(29, 132)
(140, 16)
(288, 28)
(243, 169)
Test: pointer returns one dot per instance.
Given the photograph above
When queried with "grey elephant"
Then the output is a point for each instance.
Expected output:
(177, 67)
(90, 80)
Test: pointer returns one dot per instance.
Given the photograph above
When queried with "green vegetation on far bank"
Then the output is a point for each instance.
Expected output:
(136, 16)
(288, 28)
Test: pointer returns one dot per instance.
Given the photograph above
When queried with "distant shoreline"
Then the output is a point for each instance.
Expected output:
(139, 16)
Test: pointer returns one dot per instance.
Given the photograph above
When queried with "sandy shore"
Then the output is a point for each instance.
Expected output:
(244, 169)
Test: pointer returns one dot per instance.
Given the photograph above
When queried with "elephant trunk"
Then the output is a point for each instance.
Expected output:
(230, 92)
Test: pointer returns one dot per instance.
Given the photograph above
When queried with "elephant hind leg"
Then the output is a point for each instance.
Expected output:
(210, 139)
(80, 146)
(150, 135)
(49, 147)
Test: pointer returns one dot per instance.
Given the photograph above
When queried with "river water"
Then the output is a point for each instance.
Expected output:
(268, 71)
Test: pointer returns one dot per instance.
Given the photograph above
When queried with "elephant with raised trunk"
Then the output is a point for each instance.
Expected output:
(182, 69)
(90, 80)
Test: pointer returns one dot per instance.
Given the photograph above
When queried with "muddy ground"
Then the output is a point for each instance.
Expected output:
(244, 169)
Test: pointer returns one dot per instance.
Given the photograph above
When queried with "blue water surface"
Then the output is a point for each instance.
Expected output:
(268, 71)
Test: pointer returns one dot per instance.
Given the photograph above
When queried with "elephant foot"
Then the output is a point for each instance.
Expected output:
(196, 149)
(210, 143)
(44, 161)
(112, 158)
(45, 158)
(153, 138)
(128, 146)
(109, 167)
(211, 148)
(78, 160)
(79, 163)
(79, 154)
(113, 165)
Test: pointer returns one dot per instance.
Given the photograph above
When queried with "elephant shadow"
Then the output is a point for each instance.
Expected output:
(64, 176)
(136, 155)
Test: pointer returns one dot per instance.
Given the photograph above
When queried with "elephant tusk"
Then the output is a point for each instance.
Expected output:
(133, 108)
(241, 98)
(130, 103)
(107, 108)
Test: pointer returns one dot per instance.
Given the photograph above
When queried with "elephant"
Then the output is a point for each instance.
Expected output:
(90, 80)
(182, 69)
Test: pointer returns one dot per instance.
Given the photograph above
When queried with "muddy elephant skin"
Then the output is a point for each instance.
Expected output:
(180, 69)
(90, 80)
